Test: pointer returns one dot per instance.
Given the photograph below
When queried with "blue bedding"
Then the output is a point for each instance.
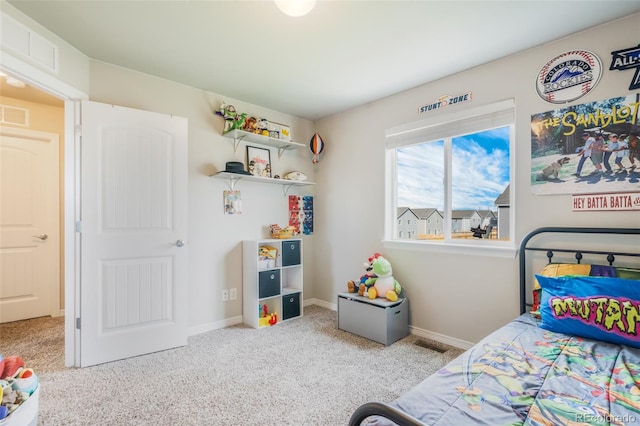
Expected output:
(522, 374)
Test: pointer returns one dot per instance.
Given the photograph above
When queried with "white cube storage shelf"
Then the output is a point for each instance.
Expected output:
(276, 283)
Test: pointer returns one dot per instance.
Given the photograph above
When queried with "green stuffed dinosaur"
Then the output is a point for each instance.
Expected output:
(383, 284)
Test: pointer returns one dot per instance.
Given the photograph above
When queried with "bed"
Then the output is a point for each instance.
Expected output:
(577, 364)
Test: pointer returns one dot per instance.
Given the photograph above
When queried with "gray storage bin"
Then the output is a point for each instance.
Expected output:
(269, 283)
(290, 305)
(290, 252)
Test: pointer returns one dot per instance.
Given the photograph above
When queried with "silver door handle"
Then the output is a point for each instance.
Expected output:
(178, 243)
(41, 237)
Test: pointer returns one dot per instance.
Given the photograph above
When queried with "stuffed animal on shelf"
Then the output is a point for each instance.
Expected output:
(238, 123)
(383, 284)
(228, 112)
(232, 120)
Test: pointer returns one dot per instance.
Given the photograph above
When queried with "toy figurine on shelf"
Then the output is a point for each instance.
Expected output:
(228, 112)
(232, 120)
(266, 318)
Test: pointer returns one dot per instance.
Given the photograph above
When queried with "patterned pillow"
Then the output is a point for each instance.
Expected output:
(555, 270)
(601, 308)
(628, 273)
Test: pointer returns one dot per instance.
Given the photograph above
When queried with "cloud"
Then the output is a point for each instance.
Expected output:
(420, 176)
(479, 167)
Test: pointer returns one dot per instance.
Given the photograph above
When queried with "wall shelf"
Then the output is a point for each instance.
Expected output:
(233, 178)
(240, 136)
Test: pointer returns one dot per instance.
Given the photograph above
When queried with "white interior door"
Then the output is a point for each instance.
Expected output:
(29, 224)
(133, 231)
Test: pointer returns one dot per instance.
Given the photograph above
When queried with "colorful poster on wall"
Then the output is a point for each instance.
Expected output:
(307, 211)
(232, 202)
(301, 213)
(587, 149)
(627, 59)
(294, 212)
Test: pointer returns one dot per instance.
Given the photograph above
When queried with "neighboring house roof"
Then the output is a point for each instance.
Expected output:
(426, 213)
(487, 213)
(503, 199)
(462, 214)
(403, 210)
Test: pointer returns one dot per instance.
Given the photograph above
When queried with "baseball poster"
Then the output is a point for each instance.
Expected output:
(588, 148)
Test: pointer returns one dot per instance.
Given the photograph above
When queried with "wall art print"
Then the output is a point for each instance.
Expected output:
(259, 161)
(294, 213)
(587, 149)
(232, 202)
(568, 76)
(307, 211)
(301, 213)
(627, 59)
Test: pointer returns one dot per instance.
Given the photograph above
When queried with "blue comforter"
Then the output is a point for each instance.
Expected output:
(522, 374)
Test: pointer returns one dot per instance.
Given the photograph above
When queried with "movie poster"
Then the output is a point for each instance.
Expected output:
(587, 148)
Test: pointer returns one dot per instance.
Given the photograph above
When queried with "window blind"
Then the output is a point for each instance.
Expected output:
(455, 124)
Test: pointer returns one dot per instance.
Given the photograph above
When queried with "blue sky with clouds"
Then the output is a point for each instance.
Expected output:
(480, 171)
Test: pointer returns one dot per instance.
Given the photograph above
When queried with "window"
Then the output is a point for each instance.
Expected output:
(461, 170)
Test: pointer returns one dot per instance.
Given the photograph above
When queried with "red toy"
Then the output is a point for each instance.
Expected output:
(273, 319)
(11, 365)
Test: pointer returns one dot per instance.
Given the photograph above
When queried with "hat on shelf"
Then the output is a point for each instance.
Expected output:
(235, 167)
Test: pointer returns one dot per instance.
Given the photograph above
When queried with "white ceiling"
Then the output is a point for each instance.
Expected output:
(341, 55)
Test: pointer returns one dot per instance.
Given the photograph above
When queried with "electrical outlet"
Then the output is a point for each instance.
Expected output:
(225, 295)
(233, 293)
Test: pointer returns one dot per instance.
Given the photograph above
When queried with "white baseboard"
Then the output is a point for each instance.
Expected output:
(203, 328)
(321, 303)
(447, 340)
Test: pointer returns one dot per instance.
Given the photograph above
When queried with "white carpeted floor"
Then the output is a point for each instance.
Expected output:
(300, 372)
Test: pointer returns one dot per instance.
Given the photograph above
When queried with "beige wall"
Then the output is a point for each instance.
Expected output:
(46, 118)
(215, 249)
(464, 297)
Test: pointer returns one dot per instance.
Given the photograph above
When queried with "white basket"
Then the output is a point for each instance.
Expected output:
(26, 413)
(266, 263)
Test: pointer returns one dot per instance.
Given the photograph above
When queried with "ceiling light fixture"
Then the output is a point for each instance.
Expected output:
(16, 83)
(295, 8)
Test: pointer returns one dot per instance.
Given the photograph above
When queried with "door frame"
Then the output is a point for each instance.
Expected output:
(71, 184)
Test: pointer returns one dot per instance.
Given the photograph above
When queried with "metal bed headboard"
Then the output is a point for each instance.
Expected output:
(527, 245)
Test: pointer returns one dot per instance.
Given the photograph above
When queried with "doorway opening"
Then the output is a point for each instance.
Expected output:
(32, 126)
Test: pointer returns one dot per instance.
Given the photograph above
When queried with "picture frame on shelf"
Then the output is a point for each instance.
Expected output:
(259, 161)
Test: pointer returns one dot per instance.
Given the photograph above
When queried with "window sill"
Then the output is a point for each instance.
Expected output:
(477, 249)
